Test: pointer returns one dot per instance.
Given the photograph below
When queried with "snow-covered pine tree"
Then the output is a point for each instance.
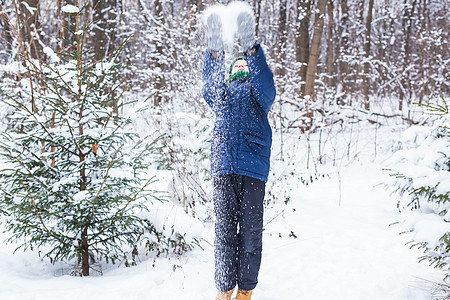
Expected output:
(74, 177)
(421, 172)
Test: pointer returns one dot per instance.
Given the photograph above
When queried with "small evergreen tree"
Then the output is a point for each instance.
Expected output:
(422, 173)
(74, 173)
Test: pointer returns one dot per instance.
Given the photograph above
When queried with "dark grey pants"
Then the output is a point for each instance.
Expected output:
(238, 208)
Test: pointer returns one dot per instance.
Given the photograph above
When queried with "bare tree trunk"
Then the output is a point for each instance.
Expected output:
(381, 51)
(159, 79)
(361, 4)
(84, 247)
(67, 25)
(407, 23)
(302, 39)
(5, 24)
(105, 18)
(257, 6)
(343, 48)
(282, 38)
(83, 241)
(29, 11)
(314, 58)
(28, 38)
(357, 75)
(424, 58)
(366, 79)
(315, 49)
(330, 46)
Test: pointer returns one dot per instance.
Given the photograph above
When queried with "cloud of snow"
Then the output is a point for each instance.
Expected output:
(228, 14)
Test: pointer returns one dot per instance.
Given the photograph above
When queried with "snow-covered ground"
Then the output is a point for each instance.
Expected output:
(335, 238)
(331, 241)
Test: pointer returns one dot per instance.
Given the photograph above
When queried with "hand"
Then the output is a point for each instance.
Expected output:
(214, 33)
(246, 31)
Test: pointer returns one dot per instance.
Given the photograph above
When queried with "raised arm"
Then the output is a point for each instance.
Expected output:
(213, 77)
(261, 78)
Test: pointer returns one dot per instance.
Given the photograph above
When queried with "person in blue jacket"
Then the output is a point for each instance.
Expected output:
(240, 154)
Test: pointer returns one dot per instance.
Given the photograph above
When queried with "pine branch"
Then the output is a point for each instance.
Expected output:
(113, 132)
(103, 182)
(37, 213)
(121, 212)
(56, 71)
(436, 108)
(32, 114)
(74, 139)
(23, 165)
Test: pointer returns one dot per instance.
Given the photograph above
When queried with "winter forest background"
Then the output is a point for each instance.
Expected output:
(360, 51)
(105, 132)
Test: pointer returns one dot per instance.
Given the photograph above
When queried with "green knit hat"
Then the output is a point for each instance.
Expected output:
(238, 74)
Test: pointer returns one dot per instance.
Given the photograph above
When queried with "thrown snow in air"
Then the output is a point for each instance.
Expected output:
(228, 15)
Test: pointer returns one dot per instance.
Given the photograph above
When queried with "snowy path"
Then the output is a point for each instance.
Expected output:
(341, 252)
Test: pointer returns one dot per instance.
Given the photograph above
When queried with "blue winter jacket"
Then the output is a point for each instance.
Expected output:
(242, 136)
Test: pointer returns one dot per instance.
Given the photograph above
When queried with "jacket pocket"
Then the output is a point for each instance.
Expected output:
(256, 143)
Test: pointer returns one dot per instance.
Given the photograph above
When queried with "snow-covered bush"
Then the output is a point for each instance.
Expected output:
(75, 175)
(421, 173)
(188, 154)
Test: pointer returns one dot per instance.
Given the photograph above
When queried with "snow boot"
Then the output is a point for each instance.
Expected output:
(214, 33)
(224, 295)
(246, 30)
(243, 295)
